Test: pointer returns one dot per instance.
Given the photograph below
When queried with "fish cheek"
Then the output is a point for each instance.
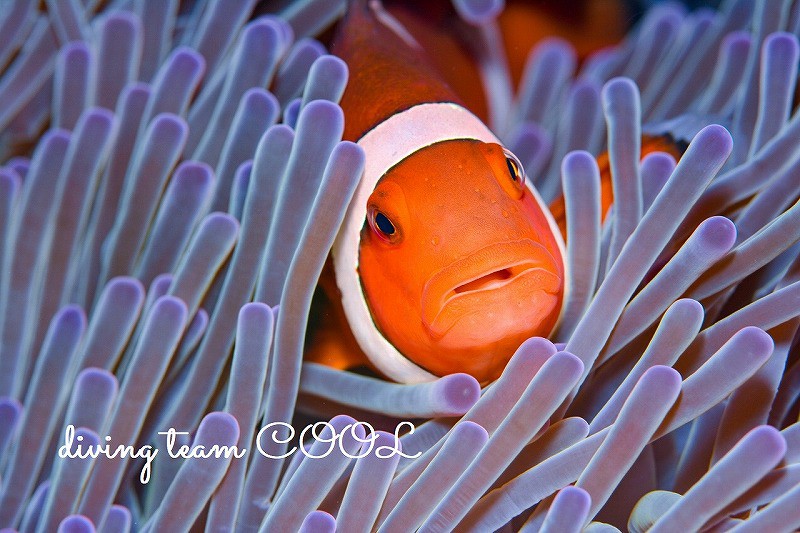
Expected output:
(387, 279)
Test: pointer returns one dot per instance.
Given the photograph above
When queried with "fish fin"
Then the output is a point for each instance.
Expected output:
(329, 340)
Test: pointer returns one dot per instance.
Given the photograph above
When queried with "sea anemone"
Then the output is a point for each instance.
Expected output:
(173, 178)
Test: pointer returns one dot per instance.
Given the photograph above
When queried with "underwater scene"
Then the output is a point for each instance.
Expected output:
(384, 265)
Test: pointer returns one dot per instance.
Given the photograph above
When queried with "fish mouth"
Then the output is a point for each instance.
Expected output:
(492, 280)
(496, 281)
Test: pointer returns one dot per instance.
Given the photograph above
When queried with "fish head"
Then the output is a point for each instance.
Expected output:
(458, 260)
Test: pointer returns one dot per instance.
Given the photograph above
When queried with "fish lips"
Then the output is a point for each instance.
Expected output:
(470, 291)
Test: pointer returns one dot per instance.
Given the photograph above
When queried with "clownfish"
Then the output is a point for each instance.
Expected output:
(447, 259)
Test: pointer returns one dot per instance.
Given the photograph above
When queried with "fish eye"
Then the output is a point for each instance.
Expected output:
(383, 226)
(515, 169)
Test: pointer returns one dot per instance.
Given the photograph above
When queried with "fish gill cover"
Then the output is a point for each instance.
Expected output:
(173, 178)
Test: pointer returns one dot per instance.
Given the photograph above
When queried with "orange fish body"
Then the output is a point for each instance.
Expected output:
(446, 261)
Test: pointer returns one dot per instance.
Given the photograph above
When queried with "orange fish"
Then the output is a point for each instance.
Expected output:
(446, 261)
